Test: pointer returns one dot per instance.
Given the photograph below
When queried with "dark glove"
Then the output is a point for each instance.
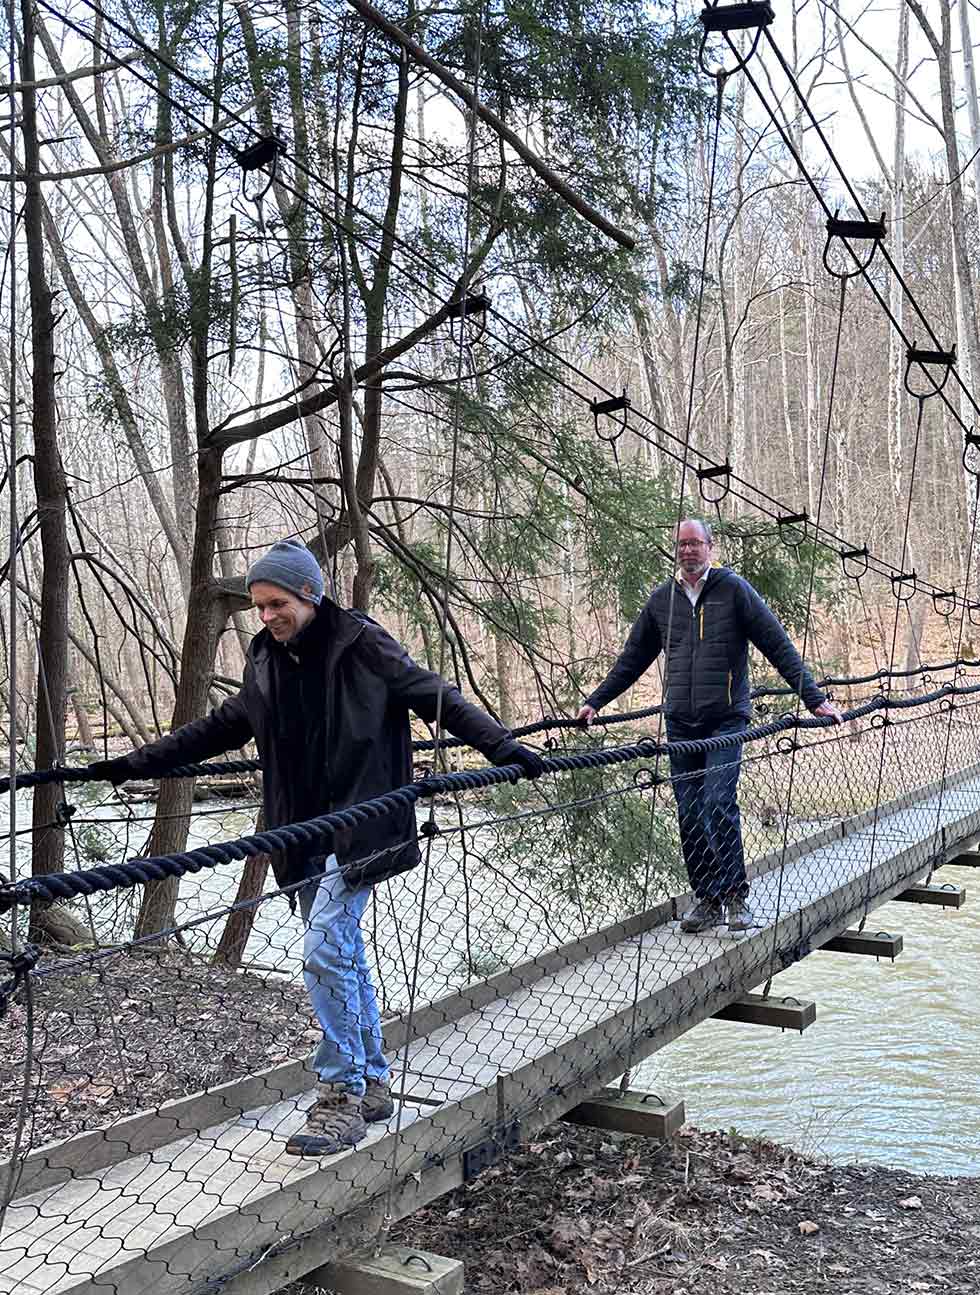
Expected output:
(513, 753)
(114, 771)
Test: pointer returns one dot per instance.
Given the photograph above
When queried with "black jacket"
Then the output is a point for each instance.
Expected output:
(707, 660)
(370, 684)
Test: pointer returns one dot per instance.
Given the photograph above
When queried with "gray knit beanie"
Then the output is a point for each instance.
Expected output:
(290, 565)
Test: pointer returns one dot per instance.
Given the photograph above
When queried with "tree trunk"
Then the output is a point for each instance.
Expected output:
(51, 491)
(205, 615)
(238, 927)
(85, 736)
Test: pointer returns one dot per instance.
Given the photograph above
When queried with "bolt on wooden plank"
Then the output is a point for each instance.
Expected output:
(874, 944)
(629, 1112)
(781, 1013)
(943, 896)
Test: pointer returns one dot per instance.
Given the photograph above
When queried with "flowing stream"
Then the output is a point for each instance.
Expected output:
(889, 1071)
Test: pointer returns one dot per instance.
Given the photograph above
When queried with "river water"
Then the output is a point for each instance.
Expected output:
(888, 1073)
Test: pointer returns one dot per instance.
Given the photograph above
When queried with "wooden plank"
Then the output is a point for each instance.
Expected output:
(781, 1013)
(875, 944)
(943, 896)
(397, 1270)
(87, 1153)
(629, 1112)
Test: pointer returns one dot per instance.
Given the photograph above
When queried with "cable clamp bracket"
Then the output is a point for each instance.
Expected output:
(21, 964)
(612, 405)
(712, 474)
(64, 813)
(938, 596)
(746, 16)
(970, 609)
(941, 359)
(852, 555)
(472, 307)
(261, 154)
(873, 231)
(904, 580)
(971, 454)
(788, 520)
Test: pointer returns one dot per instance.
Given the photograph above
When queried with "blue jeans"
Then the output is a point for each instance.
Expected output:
(338, 981)
(705, 786)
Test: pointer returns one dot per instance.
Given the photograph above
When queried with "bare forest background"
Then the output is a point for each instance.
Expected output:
(205, 356)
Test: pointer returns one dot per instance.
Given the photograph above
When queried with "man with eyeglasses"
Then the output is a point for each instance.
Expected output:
(707, 616)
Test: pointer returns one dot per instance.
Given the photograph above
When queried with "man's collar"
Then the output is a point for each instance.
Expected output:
(702, 574)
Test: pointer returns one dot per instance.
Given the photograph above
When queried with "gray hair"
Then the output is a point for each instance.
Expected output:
(698, 521)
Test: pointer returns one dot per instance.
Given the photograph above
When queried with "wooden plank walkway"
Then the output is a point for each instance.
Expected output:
(211, 1203)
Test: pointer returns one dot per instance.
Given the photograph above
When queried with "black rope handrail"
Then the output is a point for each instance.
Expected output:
(318, 833)
(223, 768)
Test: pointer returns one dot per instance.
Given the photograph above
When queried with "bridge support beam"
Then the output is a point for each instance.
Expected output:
(968, 859)
(781, 1013)
(397, 1270)
(630, 1112)
(878, 944)
(944, 896)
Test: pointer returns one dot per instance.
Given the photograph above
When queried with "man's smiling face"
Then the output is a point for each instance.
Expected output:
(282, 613)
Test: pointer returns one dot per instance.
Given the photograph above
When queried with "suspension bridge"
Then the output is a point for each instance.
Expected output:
(534, 957)
(199, 1190)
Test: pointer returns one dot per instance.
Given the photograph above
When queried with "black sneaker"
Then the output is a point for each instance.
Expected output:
(705, 913)
(740, 916)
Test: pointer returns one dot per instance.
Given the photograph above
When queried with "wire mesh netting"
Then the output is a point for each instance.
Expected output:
(156, 1091)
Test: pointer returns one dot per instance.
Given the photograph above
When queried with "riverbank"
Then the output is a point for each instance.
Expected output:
(578, 1211)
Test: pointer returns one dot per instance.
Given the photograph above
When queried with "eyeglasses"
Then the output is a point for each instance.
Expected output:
(691, 544)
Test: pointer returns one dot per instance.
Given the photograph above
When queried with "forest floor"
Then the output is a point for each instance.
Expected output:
(121, 1034)
(579, 1212)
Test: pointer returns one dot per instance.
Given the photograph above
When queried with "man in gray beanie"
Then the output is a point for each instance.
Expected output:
(326, 696)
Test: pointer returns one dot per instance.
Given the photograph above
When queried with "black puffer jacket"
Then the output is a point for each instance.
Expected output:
(707, 660)
(370, 684)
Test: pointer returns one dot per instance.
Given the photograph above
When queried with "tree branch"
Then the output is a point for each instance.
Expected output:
(553, 181)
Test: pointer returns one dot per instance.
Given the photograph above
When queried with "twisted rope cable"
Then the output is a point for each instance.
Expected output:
(218, 768)
(319, 832)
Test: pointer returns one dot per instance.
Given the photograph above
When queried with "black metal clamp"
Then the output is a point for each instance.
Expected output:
(938, 595)
(903, 580)
(970, 609)
(851, 555)
(873, 231)
(971, 454)
(711, 474)
(744, 16)
(262, 153)
(792, 519)
(917, 355)
(21, 964)
(473, 305)
(612, 405)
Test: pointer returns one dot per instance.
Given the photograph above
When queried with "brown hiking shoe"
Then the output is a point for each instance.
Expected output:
(333, 1123)
(377, 1103)
(705, 914)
